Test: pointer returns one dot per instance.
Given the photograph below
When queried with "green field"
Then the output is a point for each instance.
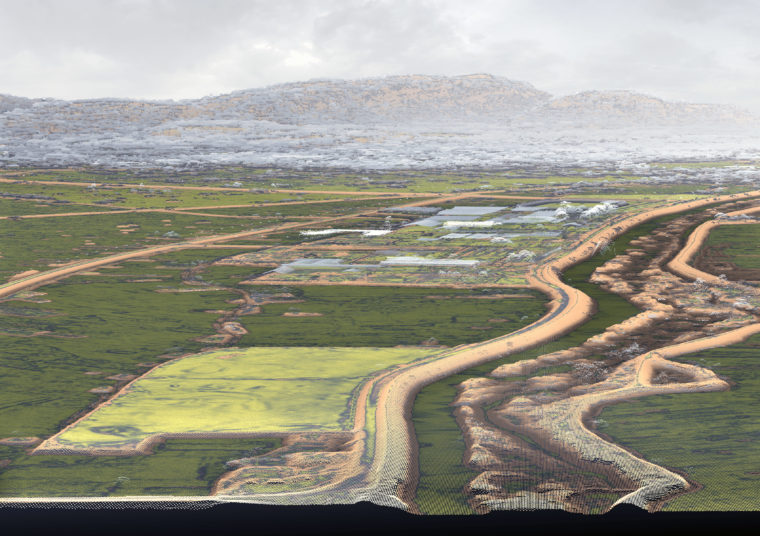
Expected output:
(303, 360)
(162, 198)
(329, 180)
(712, 438)
(18, 207)
(387, 316)
(35, 243)
(179, 467)
(112, 324)
(101, 324)
(239, 390)
(228, 275)
(335, 208)
(190, 258)
(737, 244)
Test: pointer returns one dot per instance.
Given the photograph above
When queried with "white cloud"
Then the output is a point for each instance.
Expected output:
(688, 50)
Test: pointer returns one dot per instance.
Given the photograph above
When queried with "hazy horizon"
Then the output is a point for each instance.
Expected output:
(380, 77)
(695, 51)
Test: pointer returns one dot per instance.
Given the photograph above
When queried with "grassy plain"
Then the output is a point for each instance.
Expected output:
(164, 198)
(316, 209)
(95, 324)
(338, 180)
(34, 244)
(179, 467)
(737, 244)
(18, 207)
(228, 275)
(388, 316)
(111, 323)
(712, 438)
(189, 258)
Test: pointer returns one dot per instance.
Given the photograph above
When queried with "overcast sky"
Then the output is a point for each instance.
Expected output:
(693, 50)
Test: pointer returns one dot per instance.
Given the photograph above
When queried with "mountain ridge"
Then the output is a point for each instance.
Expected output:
(476, 97)
(407, 121)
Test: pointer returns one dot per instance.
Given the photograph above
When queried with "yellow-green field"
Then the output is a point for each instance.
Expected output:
(239, 390)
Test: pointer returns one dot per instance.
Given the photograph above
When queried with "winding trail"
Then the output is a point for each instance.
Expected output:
(393, 471)
(680, 263)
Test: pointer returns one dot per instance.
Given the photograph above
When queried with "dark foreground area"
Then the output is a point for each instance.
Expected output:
(362, 518)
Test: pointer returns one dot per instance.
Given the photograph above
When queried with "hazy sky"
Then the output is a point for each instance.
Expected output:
(694, 50)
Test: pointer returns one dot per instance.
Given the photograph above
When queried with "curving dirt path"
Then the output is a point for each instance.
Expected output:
(680, 263)
(393, 471)
(49, 276)
(563, 423)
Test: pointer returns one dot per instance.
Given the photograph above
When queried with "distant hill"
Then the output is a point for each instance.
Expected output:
(9, 102)
(395, 99)
(396, 120)
(392, 99)
(616, 108)
(479, 97)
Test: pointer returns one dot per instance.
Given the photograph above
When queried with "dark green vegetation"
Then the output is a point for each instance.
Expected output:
(228, 275)
(386, 316)
(290, 237)
(740, 244)
(712, 438)
(335, 208)
(95, 323)
(34, 243)
(179, 467)
(135, 196)
(330, 180)
(17, 207)
(115, 324)
(637, 188)
(376, 221)
(443, 475)
(109, 325)
(481, 202)
(733, 250)
(517, 182)
(189, 258)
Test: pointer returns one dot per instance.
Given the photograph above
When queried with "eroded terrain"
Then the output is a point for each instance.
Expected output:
(529, 426)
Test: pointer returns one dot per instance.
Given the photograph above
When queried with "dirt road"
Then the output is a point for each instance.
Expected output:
(394, 466)
(680, 263)
(48, 276)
